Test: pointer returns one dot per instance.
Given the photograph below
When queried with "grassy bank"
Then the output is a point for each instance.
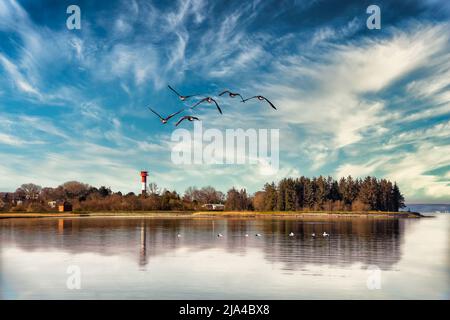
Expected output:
(155, 214)
(200, 214)
(309, 214)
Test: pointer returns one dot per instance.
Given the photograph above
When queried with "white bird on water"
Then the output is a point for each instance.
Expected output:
(313, 234)
(179, 235)
(258, 235)
(291, 234)
(246, 234)
(325, 234)
(220, 235)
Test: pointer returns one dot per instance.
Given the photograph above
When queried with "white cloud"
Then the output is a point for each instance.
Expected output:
(327, 33)
(332, 108)
(440, 130)
(123, 60)
(410, 170)
(426, 113)
(10, 140)
(17, 77)
(41, 124)
(325, 95)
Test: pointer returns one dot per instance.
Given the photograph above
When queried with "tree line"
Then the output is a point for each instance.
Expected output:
(289, 194)
(327, 194)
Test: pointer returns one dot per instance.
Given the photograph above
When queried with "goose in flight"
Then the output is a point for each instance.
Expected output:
(189, 118)
(261, 98)
(231, 94)
(182, 98)
(209, 100)
(164, 120)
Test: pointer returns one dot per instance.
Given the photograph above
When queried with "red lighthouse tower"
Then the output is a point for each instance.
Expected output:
(144, 175)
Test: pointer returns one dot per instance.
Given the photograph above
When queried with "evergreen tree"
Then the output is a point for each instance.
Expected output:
(299, 193)
(281, 195)
(397, 198)
(308, 194)
(270, 199)
(290, 197)
(320, 192)
(366, 193)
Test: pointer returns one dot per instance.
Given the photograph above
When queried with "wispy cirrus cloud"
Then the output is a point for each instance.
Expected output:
(18, 78)
(349, 101)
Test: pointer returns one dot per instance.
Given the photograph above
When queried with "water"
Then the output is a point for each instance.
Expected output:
(122, 258)
(432, 208)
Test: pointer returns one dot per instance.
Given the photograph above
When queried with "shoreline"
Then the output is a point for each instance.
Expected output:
(216, 214)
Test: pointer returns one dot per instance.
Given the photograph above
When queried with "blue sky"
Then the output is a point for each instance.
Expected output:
(351, 100)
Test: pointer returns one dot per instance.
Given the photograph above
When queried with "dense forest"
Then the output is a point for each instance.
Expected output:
(300, 194)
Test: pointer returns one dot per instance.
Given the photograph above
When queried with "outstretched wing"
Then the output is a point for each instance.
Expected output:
(174, 91)
(271, 104)
(203, 100)
(195, 118)
(159, 116)
(190, 96)
(174, 114)
(217, 106)
(221, 94)
(179, 121)
(240, 97)
(249, 98)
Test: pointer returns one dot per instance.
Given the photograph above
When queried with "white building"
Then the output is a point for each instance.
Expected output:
(214, 206)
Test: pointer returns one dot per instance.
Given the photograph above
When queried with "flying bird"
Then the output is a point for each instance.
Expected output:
(189, 118)
(182, 98)
(261, 98)
(209, 100)
(231, 94)
(164, 120)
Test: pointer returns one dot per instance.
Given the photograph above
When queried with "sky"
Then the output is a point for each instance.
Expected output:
(73, 103)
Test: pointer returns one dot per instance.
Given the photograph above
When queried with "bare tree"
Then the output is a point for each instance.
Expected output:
(153, 188)
(190, 193)
(210, 195)
(30, 190)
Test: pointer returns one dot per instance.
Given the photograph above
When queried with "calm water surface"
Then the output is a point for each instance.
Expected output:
(122, 258)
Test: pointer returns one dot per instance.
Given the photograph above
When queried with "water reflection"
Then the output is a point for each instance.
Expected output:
(143, 245)
(360, 240)
(144, 259)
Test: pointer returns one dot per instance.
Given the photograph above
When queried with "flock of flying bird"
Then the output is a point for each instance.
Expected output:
(209, 100)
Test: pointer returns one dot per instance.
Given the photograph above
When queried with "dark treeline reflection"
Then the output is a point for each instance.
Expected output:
(352, 240)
